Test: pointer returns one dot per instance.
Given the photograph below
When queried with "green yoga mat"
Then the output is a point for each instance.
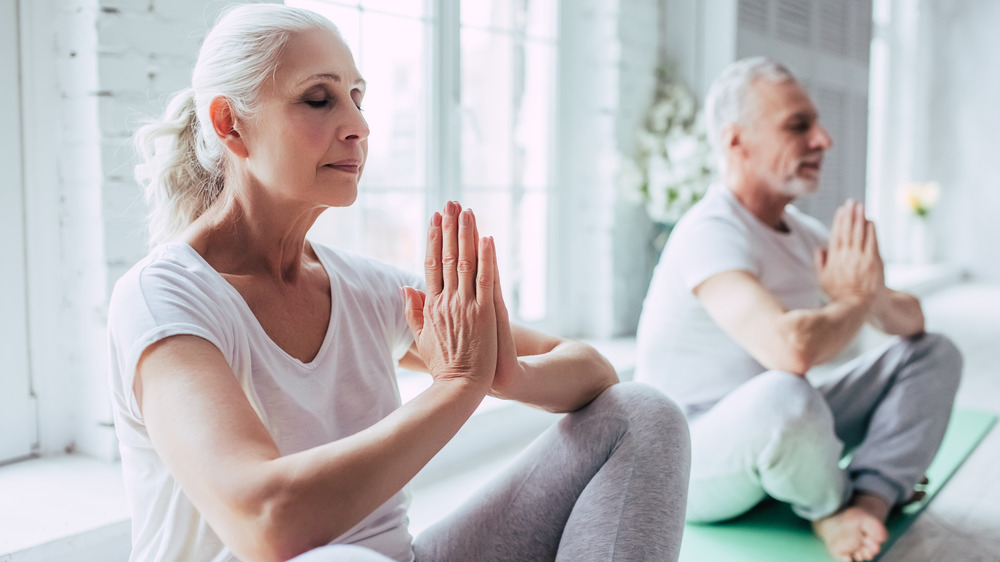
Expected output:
(772, 533)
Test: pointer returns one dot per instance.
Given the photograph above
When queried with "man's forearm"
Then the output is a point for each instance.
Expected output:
(897, 313)
(817, 335)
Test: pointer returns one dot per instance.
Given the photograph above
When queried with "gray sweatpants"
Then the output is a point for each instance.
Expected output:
(779, 436)
(607, 482)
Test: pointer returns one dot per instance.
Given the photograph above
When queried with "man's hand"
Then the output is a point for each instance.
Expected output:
(851, 268)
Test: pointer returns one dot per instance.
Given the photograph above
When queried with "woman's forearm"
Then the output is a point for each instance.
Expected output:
(565, 379)
(309, 498)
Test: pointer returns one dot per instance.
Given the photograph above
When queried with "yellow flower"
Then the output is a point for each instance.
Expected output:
(920, 197)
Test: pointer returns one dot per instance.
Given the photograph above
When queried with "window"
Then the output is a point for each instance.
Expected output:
(460, 102)
(16, 410)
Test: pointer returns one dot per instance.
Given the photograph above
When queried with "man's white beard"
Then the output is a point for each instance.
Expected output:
(798, 187)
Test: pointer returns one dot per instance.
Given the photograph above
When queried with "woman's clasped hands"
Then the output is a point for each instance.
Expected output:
(460, 324)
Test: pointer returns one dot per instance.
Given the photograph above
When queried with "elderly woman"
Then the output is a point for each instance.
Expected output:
(253, 370)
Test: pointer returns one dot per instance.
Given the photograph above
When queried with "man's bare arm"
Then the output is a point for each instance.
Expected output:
(786, 340)
(850, 271)
(897, 313)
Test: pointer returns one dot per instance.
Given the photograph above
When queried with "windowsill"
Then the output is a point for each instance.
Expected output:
(73, 507)
(56, 507)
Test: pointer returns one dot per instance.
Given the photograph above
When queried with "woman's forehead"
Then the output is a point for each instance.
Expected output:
(317, 54)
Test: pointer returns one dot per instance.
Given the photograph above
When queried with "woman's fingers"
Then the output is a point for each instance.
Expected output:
(413, 311)
(467, 254)
(486, 275)
(449, 245)
(432, 263)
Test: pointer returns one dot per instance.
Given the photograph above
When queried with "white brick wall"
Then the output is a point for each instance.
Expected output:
(614, 45)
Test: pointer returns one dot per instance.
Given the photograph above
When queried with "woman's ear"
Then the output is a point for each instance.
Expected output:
(224, 125)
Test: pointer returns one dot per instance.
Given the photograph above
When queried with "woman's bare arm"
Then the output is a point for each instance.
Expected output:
(270, 507)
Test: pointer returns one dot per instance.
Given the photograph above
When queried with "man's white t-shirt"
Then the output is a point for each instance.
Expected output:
(347, 387)
(680, 349)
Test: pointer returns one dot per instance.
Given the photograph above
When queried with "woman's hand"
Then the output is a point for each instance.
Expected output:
(454, 324)
(509, 369)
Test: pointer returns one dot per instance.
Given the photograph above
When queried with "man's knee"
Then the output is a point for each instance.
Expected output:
(943, 358)
(788, 404)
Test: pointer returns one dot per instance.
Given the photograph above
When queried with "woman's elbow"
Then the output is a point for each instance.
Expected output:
(270, 524)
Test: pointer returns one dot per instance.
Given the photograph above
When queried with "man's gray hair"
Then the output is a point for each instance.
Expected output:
(729, 95)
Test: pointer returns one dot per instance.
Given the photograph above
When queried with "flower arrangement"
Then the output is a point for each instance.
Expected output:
(673, 163)
(920, 198)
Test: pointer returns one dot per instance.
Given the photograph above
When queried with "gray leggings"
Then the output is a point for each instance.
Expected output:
(607, 482)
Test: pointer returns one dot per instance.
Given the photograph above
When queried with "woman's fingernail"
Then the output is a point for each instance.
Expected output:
(465, 218)
(436, 219)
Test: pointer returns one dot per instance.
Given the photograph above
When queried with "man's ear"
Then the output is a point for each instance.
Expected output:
(731, 136)
(224, 125)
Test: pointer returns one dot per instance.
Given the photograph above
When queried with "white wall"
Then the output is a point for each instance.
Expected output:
(607, 84)
(963, 118)
(114, 61)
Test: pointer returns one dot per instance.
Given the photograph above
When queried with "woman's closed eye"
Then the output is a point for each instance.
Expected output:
(318, 103)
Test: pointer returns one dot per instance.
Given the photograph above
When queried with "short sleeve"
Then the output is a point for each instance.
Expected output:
(709, 245)
(152, 302)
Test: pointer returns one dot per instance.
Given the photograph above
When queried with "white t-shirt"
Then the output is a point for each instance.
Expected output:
(347, 387)
(680, 349)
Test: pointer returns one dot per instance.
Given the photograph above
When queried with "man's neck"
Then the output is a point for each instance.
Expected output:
(764, 203)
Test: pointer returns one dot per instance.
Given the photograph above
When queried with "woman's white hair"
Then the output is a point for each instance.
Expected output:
(182, 162)
(730, 94)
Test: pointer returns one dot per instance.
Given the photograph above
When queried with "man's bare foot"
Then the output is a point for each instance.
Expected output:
(857, 531)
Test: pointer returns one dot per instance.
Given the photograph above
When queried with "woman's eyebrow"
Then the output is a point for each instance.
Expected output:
(331, 76)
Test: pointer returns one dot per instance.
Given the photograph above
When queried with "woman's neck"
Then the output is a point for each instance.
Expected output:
(245, 235)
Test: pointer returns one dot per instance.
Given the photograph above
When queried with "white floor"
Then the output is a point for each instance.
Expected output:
(962, 524)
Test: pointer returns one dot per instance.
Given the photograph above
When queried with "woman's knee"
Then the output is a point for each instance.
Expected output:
(341, 553)
(642, 404)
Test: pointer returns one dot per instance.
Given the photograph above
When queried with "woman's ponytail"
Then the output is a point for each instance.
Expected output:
(180, 178)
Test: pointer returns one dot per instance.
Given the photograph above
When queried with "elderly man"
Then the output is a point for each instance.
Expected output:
(750, 294)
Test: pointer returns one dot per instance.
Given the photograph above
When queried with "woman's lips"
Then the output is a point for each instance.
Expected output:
(349, 168)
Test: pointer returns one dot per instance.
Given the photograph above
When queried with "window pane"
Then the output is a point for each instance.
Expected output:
(532, 230)
(394, 228)
(338, 227)
(395, 101)
(536, 18)
(534, 87)
(486, 108)
(492, 14)
(413, 8)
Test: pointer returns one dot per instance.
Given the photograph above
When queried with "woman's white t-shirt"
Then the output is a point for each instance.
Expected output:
(347, 387)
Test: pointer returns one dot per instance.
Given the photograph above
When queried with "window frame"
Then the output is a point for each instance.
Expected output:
(17, 405)
(443, 170)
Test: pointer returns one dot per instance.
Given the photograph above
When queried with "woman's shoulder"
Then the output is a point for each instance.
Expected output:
(170, 272)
